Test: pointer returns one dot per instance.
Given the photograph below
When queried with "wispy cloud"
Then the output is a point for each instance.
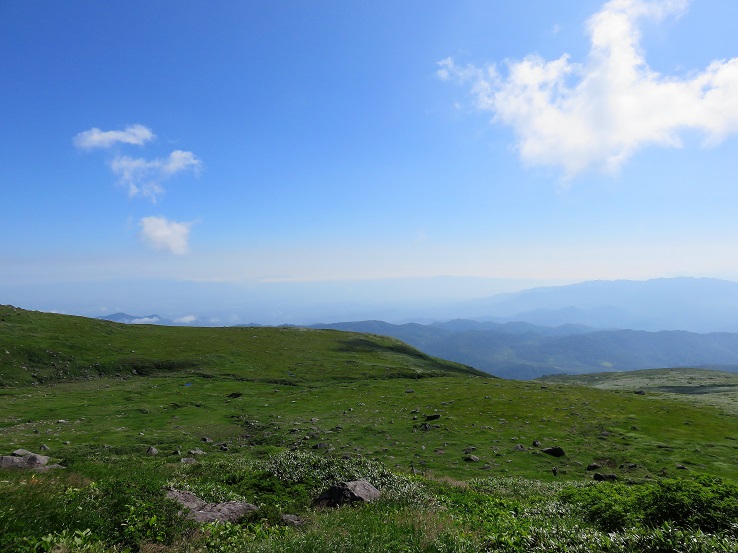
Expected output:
(95, 138)
(163, 234)
(599, 113)
(144, 177)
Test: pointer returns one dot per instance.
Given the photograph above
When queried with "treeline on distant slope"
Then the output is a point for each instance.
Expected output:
(524, 351)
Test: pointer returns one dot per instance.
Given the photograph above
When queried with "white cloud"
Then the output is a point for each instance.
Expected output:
(599, 113)
(187, 319)
(145, 321)
(144, 177)
(163, 234)
(95, 138)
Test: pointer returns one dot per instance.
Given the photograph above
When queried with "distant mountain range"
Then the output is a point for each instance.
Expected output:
(692, 304)
(588, 327)
(523, 351)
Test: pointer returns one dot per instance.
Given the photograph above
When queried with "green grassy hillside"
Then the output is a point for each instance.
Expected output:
(275, 414)
(699, 387)
(40, 347)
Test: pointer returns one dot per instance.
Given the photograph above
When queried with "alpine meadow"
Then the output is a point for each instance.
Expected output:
(368, 277)
(273, 416)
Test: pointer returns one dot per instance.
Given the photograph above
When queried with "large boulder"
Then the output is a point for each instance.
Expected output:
(200, 511)
(555, 451)
(23, 459)
(357, 491)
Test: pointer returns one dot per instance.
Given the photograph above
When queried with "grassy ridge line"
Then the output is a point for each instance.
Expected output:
(40, 347)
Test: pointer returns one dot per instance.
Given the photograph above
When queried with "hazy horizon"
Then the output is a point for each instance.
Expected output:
(679, 303)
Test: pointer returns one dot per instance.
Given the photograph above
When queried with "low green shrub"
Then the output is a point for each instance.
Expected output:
(318, 472)
(705, 503)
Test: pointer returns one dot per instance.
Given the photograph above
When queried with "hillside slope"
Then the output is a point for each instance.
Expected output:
(43, 347)
(273, 416)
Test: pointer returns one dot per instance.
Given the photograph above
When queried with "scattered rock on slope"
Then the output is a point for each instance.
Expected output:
(22, 459)
(555, 451)
(200, 511)
(357, 491)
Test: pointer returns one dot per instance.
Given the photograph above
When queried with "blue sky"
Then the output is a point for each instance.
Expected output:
(238, 152)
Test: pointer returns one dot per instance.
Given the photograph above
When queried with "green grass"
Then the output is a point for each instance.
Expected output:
(273, 395)
(45, 348)
(697, 387)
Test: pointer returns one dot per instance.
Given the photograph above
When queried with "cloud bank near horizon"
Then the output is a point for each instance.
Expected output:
(598, 114)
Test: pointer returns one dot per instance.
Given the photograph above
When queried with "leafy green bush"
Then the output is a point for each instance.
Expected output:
(318, 472)
(126, 509)
(78, 541)
(705, 503)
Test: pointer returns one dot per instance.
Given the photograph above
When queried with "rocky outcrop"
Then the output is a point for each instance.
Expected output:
(24, 459)
(357, 491)
(200, 511)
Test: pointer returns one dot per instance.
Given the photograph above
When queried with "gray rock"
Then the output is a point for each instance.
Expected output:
(188, 460)
(21, 452)
(599, 477)
(25, 461)
(536, 443)
(593, 466)
(471, 459)
(555, 451)
(292, 520)
(519, 447)
(44, 447)
(8, 462)
(357, 491)
(200, 511)
(152, 451)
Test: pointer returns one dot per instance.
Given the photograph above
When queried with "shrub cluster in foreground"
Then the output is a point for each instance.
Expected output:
(119, 506)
